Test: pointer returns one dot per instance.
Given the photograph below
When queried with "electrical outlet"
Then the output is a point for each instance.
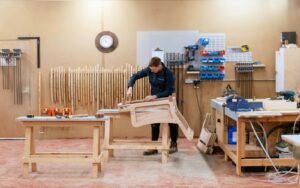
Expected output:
(196, 83)
(189, 81)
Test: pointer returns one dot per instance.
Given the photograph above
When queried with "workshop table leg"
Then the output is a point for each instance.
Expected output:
(32, 150)
(225, 121)
(226, 157)
(240, 153)
(165, 151)
(299, 172)
(108, 137)
(27, 150)
(96, 151)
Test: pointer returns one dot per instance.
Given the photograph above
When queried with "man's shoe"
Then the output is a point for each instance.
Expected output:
(150, 152)
(173, 148)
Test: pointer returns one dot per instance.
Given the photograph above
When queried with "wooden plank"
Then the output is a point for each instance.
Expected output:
(165, 146)
(96, 151)
(32, 151)
(108, 137)
(63, 158)
(266, 162)
(251, 150)
(141, 146)
(241, 126)
(135, 141)
(228, 152)
(27, 150)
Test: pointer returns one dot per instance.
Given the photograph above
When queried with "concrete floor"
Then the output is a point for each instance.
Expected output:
(187, 168)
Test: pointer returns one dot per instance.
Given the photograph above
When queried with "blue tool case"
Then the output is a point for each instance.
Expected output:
(240, 104)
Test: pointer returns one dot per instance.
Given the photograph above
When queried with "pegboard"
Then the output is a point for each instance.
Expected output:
(234, 54)
(216, 41)
(212, 65)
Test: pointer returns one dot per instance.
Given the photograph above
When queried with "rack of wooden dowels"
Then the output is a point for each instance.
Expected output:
(94, 87)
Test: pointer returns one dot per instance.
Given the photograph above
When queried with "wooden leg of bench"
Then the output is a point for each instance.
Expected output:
(32, 151)
(96, 151)
(226, 157)
(25, 170)
(96, 169)
(111, 137)
(165, 152)
(299, 172)
(27, 150)
(108, 137)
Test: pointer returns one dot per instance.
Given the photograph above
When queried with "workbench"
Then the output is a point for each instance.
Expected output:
(32, 157)
(237, 153)
(295, 141)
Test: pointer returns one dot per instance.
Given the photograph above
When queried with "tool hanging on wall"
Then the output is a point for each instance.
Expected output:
(12, 72)
(17, 76)
(94, 87)
(190, 51)
(244, 76)
(5, 62)
(175, 61)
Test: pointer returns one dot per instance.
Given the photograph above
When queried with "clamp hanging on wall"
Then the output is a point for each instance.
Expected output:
(38, 48)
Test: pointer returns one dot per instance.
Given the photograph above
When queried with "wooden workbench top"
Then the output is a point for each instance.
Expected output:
(55, 119)
(218, 105)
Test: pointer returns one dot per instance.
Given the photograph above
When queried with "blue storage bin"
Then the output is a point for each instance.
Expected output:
(210, 60)
(209, 75)
(202, 75)
(232, 133)
(203, 41)
(216, 60)
(221, 75)
(216, 75)
(222, 60)
(214, 53)
(202, 68)
(204, 60)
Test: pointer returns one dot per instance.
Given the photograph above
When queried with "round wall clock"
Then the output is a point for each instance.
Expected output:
(106, 41)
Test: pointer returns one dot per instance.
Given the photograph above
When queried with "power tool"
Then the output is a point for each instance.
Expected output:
(288, 95)
(190, 51)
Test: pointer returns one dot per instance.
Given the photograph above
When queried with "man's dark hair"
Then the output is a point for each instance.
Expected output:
(154, 62)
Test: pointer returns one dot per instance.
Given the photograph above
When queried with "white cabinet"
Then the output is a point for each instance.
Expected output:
(288, 69)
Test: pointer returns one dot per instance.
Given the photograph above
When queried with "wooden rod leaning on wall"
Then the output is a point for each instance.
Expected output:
(94, 87)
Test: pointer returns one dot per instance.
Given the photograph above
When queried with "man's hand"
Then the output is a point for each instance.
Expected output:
(129, 92)
(150, 97)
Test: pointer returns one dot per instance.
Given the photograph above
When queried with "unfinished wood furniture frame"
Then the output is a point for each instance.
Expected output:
(163, 110)
(32, 157)
(237, 153)
(295, 141)
(111, 144)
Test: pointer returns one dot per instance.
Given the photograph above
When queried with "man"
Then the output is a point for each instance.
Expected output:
(162, 85)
